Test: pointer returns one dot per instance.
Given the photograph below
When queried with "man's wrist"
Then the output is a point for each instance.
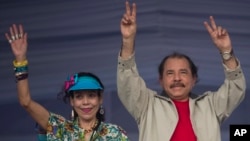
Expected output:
(227, 55)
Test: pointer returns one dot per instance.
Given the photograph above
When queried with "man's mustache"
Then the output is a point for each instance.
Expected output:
(177, 84)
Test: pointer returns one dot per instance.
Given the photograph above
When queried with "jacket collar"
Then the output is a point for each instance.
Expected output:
(194, 96)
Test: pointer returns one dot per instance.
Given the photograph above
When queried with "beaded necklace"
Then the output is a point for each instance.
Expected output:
(86, 131)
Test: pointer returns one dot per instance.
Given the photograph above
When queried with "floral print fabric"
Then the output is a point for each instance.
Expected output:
(60, 129)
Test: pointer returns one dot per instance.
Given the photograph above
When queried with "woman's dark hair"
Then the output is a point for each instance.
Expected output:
(193, 67)
(66, 95)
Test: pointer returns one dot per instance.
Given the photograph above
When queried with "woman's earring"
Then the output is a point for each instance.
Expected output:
(72, 115)
(101, 111)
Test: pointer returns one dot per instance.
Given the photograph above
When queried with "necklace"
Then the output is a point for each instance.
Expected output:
(86, 131)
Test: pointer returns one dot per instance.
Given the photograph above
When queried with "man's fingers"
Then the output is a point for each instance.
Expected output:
(224, 31)
(219, 30)
(128, 12)
(134, 10)
(126, 19)
(212, 22)
(209, 29)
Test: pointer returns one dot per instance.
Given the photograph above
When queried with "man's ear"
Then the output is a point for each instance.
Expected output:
(160, 81)
(194, 81)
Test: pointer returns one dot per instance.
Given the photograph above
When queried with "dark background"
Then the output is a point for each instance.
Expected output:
(68, 36)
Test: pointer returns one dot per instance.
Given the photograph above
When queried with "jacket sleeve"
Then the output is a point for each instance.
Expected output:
(132, 89)
(230, 94)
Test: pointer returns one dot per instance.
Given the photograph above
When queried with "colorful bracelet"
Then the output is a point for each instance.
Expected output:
(21, 76)
(21, 69)
(20, 73)
(20, 64)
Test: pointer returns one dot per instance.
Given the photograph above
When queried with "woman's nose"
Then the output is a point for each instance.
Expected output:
(85, 100)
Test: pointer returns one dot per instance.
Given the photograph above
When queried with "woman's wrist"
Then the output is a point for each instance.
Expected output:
(20, 69)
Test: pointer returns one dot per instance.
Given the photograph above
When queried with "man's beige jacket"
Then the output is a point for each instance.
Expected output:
(156, 114)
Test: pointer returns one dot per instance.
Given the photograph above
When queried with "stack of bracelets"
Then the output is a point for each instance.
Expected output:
(21, 69)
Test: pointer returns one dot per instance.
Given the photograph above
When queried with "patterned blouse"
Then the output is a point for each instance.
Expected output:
(60, 129)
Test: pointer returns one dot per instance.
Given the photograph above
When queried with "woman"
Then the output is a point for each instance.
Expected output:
(82, 90)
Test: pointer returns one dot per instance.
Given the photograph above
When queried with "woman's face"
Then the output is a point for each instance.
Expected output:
(86, 103)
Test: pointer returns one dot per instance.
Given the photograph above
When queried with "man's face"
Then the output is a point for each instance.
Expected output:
(177, 79)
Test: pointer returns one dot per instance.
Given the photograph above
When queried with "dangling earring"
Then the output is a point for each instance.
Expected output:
(72, 114)
(101, 111)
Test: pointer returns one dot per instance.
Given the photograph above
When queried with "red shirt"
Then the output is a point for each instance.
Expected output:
(184, 129)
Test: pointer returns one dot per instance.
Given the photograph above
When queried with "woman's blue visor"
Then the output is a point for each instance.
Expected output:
(82, 83)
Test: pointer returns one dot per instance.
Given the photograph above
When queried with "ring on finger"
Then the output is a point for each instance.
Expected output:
(10, 41)
(16, 36)
(20, 35)
(13, 37)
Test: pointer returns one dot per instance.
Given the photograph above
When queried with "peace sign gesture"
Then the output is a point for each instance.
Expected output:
(219, 35)
(128, 21)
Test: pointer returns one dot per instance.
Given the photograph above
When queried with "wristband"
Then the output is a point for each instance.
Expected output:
(20, 64)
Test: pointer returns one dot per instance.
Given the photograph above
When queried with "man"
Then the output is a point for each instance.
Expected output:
(177, 114)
